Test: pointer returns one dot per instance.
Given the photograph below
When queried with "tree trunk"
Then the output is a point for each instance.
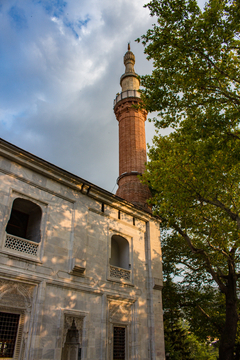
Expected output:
(228, 336)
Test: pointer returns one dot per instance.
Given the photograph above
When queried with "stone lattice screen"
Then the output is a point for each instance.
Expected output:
(22, 245)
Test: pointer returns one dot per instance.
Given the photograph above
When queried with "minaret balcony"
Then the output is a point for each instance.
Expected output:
(126, 94)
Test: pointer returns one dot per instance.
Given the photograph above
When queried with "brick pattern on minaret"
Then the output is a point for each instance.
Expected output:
(132, 142)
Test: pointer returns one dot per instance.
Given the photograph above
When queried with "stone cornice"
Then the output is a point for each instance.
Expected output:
(43, 167)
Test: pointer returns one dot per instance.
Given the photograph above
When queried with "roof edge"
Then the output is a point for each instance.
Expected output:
(41, 166)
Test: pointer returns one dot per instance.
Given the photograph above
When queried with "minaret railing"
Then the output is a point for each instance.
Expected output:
(126, 94)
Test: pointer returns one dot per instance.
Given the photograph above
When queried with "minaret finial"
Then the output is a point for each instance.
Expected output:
(129, 46)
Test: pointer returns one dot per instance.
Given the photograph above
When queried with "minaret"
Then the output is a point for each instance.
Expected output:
(132, 142)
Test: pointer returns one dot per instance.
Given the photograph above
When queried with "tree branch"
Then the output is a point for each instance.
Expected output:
(223, 252)
(209, 318)
(219, 204)
(206, 57)
(221, 91)
(233, 135)
(190, 267)
(205, 257)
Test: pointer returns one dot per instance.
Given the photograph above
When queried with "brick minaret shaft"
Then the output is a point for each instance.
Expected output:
(132, 142)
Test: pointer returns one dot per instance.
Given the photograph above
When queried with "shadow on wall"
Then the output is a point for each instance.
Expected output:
(72, 231)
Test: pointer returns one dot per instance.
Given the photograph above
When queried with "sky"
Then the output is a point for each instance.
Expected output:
(60, 65)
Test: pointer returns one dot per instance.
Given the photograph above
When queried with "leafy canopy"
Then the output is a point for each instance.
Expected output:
(194, 172)
(195, 86)
(196, 63)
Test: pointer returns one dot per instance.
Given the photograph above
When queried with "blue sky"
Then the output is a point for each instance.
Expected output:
(60, 65)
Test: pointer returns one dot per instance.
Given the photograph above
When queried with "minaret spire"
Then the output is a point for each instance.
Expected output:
(132, 142)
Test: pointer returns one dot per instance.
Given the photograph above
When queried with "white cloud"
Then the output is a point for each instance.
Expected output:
(59, 75)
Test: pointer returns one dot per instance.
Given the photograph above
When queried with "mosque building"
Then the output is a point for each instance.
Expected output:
(80, 267)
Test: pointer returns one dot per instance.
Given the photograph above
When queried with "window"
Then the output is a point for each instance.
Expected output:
(119, 343)
(25, 220)
(8, 333)
(119, 252)
(23, 232)
(119, 262)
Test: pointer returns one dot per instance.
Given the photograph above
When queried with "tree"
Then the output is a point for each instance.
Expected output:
(180, 340)
(177, 345)
(202, 351)
(193, 299)
(194, 172)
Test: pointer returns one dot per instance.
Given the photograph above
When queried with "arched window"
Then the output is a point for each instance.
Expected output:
(25, 220)
(119, 252)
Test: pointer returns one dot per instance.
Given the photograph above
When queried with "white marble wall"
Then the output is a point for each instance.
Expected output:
(70, 276)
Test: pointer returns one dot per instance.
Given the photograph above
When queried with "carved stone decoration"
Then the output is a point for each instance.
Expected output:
(67, 325)
(23, 346)
(78, 266)
(22, 245)
(17, 297)
(120, 273)
(119, 311)
(15, 294)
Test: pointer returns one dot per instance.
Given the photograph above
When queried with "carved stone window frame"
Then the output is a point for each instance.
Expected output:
(120, 314)
(81, 322)
(19, 344)
(126, 326)
(14, 194)
(22, 307)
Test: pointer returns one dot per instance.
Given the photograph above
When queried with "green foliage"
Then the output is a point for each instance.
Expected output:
(194, 172)
(181, 344)
(193, 298)
(196, 192)
(180, 341)
(196, 63)
(177, 344)
(202, 351)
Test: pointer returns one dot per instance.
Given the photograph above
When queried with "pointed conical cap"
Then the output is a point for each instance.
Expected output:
(129, 80)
